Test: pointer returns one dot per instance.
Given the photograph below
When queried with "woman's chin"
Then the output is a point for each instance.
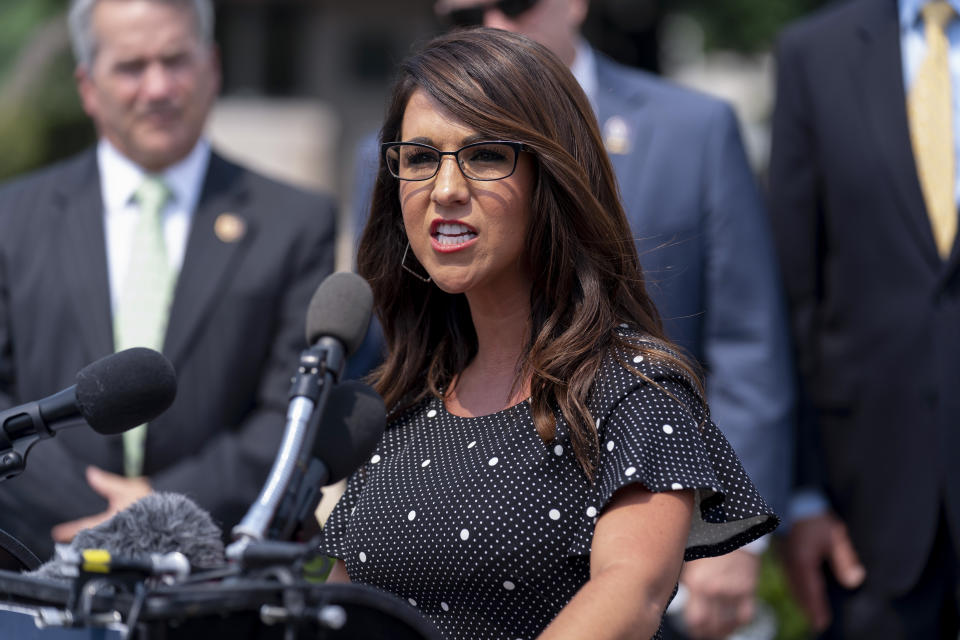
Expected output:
(451, 285)
(453, 279)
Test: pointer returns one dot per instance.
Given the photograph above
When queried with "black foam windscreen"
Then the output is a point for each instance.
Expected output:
(340, 308)
(353, 423)
(125, 389)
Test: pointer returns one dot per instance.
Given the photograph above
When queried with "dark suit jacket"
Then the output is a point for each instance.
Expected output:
(706, 250)
(236, 327)
(876, 312)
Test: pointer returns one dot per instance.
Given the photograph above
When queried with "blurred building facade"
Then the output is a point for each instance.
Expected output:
(304, 80)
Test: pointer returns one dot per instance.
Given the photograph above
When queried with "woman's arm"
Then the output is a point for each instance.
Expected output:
(635, 561)
(339, 572)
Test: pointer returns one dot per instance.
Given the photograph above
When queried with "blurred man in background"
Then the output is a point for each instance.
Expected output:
(152, 239)
(707, 255)
(863, 185)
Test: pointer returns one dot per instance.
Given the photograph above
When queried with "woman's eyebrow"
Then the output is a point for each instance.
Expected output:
(476, 137)
(470, 139)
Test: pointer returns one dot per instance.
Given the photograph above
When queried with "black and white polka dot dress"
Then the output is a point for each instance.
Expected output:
(486, 529)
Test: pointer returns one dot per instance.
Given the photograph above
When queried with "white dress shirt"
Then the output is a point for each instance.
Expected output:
(584, 69)
(119, 180)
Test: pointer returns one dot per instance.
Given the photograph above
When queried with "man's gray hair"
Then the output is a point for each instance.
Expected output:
(84, 40)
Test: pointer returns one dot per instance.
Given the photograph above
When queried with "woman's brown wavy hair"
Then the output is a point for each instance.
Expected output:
(581, 253)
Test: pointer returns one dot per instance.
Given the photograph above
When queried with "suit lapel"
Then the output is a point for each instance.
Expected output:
(878, 72)
(219, 234)
(83, 256)
(624, 123)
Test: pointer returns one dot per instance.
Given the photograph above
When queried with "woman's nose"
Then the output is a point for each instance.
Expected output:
(450, 185)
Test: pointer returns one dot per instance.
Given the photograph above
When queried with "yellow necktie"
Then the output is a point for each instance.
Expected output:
(930, 113)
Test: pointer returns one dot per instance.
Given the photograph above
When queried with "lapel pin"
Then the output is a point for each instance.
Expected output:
(616, 135)
(229, 227)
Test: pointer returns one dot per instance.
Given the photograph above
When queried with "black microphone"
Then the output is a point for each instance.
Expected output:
(338, 317)
(147, 537)
(337, 320)
(352, 425)
(113, 394)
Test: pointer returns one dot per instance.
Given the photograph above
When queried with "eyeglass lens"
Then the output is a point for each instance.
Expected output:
(485, 161)
(473, 16)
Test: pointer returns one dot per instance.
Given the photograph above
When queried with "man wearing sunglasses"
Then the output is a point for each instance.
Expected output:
(553, 24)
(707, 255)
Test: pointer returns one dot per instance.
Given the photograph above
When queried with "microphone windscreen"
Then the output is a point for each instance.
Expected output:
(353, 423)
(340, 308)
(125, 389)
(157, 523)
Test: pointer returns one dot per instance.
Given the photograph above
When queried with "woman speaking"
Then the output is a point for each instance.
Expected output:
(550, 460)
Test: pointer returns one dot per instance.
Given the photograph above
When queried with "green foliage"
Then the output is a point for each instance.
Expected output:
(17, 22)
(46, 122)
(772, 589)
(318, 569)
(743, 25)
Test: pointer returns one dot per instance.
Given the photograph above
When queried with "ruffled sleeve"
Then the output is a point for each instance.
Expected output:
(654, 430)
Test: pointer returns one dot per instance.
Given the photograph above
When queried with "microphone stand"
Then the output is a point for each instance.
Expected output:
(20, 429)
(270, 516)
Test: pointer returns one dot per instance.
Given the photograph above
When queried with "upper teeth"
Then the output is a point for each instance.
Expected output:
(449, 229)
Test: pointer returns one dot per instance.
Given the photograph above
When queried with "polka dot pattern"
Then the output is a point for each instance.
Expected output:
(492, 537)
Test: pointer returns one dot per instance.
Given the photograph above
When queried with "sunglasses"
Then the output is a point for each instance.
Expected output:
(473, 16)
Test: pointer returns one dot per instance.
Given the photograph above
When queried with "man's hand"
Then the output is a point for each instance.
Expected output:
(721, 593)
(119, 491)
(810, 543)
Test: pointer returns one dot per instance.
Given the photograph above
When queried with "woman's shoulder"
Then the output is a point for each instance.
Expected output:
(635, 358)
(639, 362)
(406, 410)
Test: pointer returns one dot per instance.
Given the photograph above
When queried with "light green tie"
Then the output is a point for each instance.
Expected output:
(144, 303)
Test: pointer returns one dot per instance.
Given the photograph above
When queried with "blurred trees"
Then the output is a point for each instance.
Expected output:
(630, 30)
(40, 115)
(747, 26)
(41, 119)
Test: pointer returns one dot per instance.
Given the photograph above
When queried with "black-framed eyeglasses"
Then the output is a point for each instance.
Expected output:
(487, 160)
(473, 16)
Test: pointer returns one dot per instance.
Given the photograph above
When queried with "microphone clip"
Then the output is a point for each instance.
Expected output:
(323, 361)
(20, 429)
